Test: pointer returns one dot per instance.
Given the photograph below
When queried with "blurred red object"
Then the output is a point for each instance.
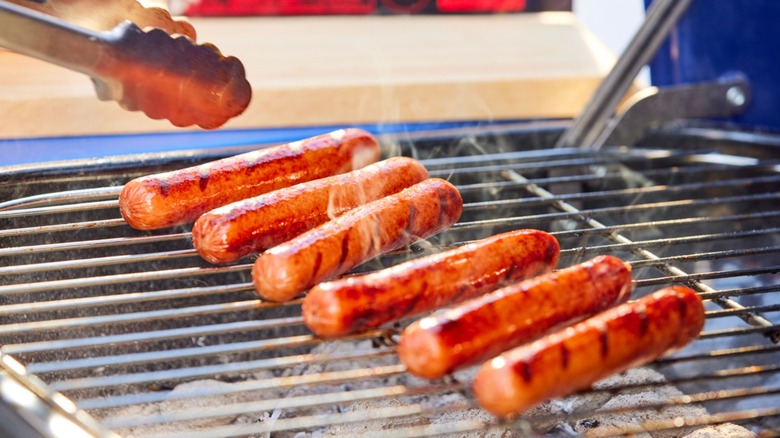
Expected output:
(480, 5)
(348, 7)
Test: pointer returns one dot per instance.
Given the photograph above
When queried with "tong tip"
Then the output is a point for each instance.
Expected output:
(171, 77)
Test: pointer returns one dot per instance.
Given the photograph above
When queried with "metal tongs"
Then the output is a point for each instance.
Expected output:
(139, 57)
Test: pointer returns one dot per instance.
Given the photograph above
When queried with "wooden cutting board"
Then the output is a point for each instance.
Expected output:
(347, 70)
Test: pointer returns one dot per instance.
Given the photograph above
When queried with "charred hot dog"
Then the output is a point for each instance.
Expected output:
(482, 327)
(232, 231)
(181, 196)
(335, 247)
(344, 306)
(563, 362)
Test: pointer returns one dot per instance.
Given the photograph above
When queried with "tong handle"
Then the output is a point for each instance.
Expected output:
(41, 36)
(163, 76)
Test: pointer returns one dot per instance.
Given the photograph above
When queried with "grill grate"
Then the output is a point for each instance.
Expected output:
(149, 339)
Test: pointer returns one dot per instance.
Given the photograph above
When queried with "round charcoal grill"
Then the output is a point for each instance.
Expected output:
(110, 330)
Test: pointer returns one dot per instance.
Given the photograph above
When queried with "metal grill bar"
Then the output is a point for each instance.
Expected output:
(706, 161)
(76, 226)
(606, 176)
(725, 313)
(210, 370)
(764, 330)
(669, 222)
(543, 156)
(178, 354)
(65, 196)
(96, 261)
(530, 155)
(750, 371)
(669, 205)
(718, 354)
(671, 242)
(117, 279)
(71, 178)
(135, 317)
(128, 298)
(70, 208)
(745, 291)
(710, 255)
(680, 188)
(90, 244)
(194, 352)
(258, 385)
(709, 276)
(523, 166)
(285, 361)
(150, 336)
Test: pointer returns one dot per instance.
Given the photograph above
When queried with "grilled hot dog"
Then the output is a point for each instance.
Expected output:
(232, 231)
(344, 306)
(171, 198)
(563, 362)
(335, 247)
(482, 327)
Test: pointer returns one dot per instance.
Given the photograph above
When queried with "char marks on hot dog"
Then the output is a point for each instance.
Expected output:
(181, 196)
(574, 358)
(344, 306)
(335, 247)
(487, 325)
(232, 231)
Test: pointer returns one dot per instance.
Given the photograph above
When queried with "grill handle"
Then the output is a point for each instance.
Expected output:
(661, 17)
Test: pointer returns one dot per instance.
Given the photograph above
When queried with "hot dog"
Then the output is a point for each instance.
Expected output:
(232, 231)
(563, 362)
(344, 306)
(335, 247)
(171, 198)
(482, 327)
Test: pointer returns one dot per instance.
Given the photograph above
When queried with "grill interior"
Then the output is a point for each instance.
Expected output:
(150, 340)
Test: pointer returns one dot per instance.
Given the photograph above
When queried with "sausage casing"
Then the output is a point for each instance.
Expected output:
(344, 306)
(181, 196)
(232, 231)
(335, 247)
(482, 327)
(574, 358)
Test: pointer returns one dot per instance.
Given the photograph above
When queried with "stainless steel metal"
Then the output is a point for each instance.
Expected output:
(37, 411)
(653, 106)
(150, 340)
(141, 70)
(661, 17)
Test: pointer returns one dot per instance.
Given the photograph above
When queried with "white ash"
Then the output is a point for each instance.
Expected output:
(442, 411)
(728, 430)
(604, 422)
(175, 404)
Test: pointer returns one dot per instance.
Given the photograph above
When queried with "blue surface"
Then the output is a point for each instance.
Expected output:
(35, 150)
(720, 37)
